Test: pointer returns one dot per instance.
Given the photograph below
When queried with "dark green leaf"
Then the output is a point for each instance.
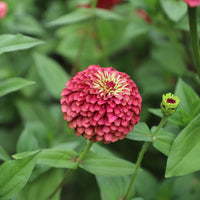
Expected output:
(14, 175)
(184, 155)
(106, 165)
(140, 132)
(13, 84)
(53, 76)
(17, 42)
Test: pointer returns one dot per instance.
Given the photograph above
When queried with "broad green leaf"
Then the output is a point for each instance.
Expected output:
(76, 16)
(27, 140)
(106, 165)
(140, 132)
(175, 10)
(13, 84)
(17, 42)
(43, 185)
(53, 76)
(107, 14)
(184, 155)
(156, 111)
(14, 175)
(3, 154)
(163, 140)
(118, 186)
(59, 158)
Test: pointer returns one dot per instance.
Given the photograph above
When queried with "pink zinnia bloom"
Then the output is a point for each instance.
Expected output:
(192, 3)
(3, 9)
(102, 104)
(142, 14)
(103, 4)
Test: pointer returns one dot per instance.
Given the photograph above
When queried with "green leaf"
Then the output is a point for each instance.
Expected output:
(118, 186)
(76, 16)
(184, 155)
(59, 158)
(107, 14)
(13, 84)
(175, 10)
(106, 165)
(53, 76)
(140, 132)
(43, 185)
(3, 154)
(163, 140)
(27, 141)
(14, 175)
(17, 42)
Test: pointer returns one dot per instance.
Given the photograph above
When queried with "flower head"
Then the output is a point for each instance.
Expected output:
(3, 9)
(102, 104)
(193, 3)
(169, 104)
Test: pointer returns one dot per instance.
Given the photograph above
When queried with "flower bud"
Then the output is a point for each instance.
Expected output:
(3, 9)
(169, 104)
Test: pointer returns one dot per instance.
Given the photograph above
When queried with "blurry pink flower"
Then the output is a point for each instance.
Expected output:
(102, 104)
(3, 9)
(103, 4)
(142, 14)
(192, 3)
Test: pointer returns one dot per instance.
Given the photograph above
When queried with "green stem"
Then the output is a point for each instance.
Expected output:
(141, 155)
(192, 15)
(69, 172)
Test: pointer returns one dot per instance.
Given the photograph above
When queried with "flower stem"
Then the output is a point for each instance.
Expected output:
(141, 155)
(192, 15)
(69, 172)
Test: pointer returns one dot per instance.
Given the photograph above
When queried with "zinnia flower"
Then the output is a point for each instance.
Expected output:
(102, 104)
(192, 3)
(142, 14)
(103, 4)
(3, 9)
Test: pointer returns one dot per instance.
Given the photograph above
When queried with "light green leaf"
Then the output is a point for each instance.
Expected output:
(17, 42)
(175, 10)
(106, 165)
(107, 14)
(53, 76)
(3, 154)
(163, 140)
(59, 158)
(27, 140)
(76, 16)
(43, 185)
(140, 132)
(14, 175)
(184, 155)
(13, 84)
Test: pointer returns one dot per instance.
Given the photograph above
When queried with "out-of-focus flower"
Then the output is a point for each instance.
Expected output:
(102, 104)
(103, 4)
(169, 104)
(142, 14)
(193, 3)
(3, 9)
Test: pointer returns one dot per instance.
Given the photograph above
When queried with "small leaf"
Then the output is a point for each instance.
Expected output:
(17, 42)
(13, 84)
(78, 15)
(14, 175)
(53, 76)
(106, 165)
(3, 154)
(175, 10)
(163, 140)
(107, 14)
(59, 158)
(184, 155)
(140, 132)
(27, 141)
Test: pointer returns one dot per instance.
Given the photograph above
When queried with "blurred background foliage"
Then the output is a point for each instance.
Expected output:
(155, 51)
